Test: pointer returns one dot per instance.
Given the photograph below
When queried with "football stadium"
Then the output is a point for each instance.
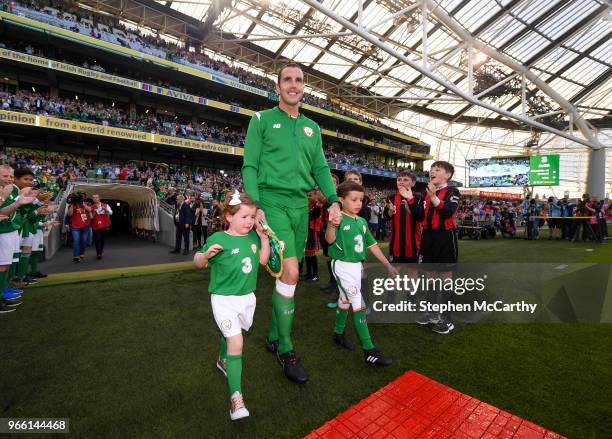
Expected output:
(306, 218)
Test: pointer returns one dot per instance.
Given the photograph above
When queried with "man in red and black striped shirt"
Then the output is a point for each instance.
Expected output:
(406, 212)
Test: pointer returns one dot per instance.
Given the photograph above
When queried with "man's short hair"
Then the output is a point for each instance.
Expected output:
(444, 165)
(21, 172)
(407, 173)
(352, 171)
(349, 186)
(285, 66)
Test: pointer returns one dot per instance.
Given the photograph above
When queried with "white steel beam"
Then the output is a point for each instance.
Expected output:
(590, 138)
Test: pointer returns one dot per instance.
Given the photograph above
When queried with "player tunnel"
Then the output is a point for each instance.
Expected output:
(134, 207)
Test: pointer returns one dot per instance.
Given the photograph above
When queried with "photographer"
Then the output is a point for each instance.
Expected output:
(100, 223)
(79, 213)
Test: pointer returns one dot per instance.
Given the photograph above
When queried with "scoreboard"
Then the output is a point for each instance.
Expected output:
(544, 170)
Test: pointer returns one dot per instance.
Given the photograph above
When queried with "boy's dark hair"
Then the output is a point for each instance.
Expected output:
(21, 172)
(349, 186)
(285, 66)
(444, 165)
(407, 173)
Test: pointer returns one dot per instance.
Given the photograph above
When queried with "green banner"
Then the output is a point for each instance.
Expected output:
(544, 170)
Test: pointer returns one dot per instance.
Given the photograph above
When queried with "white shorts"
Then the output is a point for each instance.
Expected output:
(233, 313)
(37, 241)
(27, 241)
(9, 245)
(348, 277)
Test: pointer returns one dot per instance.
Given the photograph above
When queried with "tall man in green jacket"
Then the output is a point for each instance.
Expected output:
(283, 158)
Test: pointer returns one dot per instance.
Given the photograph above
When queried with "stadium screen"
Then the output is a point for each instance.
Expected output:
(499, 172)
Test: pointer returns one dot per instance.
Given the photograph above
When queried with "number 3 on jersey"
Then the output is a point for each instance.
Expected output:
(358, 244)
(247, 266)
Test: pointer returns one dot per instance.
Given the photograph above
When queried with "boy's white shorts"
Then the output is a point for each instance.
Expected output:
(27, 241)
(9, 245)
(38, 241)
(233, 313)
(348, 277)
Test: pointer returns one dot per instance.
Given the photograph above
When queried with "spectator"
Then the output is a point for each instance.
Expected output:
(200, 225)
(183, 218)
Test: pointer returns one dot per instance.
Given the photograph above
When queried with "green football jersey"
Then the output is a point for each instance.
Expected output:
(283, 159)
(234, 269)
(353, 238)
(52, 187)
(13, 222)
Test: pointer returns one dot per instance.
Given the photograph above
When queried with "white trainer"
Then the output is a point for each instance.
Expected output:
(238, 410)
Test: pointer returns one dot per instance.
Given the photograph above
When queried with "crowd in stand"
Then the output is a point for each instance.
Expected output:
(361, 161)
(99, 26)
(574, 220)
(80, 110)
(33, 102)
(55, 171)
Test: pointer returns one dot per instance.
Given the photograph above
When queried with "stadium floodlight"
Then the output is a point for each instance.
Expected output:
(479, 57)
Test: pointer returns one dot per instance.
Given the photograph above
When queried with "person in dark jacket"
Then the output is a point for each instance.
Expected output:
(183, 218)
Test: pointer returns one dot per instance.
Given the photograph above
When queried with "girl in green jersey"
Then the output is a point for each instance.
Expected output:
(233, 255)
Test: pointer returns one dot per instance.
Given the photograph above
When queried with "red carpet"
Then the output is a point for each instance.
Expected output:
(414, 406)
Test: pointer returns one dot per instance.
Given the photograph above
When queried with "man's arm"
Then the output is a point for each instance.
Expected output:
(322, 174)
(252, 154)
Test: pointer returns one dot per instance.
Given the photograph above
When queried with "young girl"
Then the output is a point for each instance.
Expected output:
(347, 247)
(233, 255)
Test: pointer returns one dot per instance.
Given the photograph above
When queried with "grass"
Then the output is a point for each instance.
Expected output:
(133, 357)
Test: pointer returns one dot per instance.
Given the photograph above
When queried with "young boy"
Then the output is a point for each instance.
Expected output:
(12, 201)
(32, 215)
(347, 247)
(439, 238)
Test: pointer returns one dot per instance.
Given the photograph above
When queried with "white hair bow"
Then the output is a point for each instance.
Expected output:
(235, 199)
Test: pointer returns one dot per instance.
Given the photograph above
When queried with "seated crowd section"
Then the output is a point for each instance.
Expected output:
(109, 29)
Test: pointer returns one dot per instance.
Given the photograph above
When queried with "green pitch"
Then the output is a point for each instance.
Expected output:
(133, 357)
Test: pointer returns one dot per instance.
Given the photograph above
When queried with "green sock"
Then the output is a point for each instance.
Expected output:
(13, 268)
(341, 316)
(3, 281)
(273, 329)
(24, 260)
(222, 348)
(34, 262)
(234, 373)
(361, 325)
(283, 309)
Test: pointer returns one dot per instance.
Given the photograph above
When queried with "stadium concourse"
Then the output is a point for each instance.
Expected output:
(436, 170)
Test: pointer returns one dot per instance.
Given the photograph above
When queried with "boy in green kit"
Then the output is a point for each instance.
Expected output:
(348, 243)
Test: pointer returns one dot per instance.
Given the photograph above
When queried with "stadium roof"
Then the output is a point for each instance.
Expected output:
(560, 49)
(565, 42)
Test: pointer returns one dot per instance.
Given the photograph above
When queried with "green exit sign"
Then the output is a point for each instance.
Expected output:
(544, 170)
